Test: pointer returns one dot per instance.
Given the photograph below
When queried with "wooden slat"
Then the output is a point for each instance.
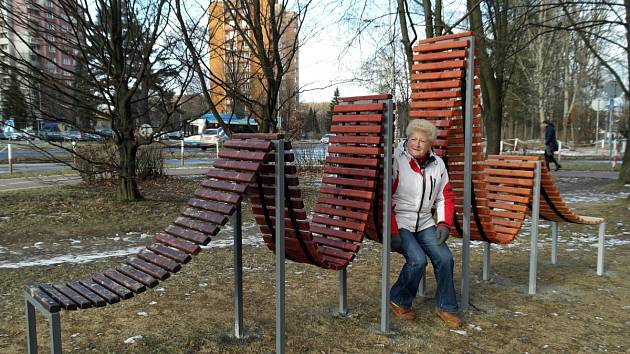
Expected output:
(196, 225)
(139, 276)
(81, 301)
(125, 281)
(47, 302)
(350, 171)
(354, 139)
(101, 291)
(361, 107)
(510, 181)
(60, 298)
(245, 177)
(191, 235)
(340, 212)
(356, 129)
(160, 261)
(507, 206)
(364, 118)
(149, 268)
(356, 150)
(350, 203)
(225, 186)
(353, 161)
(95, 299)
(343, 245)
(178, 243)
(208, 216)
(237, 165)
(367, 195)
(222, 208)
(345, 224)
(112, 286)
(226, 197)
(344, 235)
(248, 144)
(357, 183)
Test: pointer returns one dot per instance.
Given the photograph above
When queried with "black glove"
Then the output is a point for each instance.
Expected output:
(442, 233)
(396, 243)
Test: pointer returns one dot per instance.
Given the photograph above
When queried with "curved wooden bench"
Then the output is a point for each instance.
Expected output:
(246, 169)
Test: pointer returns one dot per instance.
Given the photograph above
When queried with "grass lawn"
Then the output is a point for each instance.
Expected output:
(192, 312)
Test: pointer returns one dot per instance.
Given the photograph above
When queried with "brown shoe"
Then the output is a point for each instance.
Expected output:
(402, 312)
(450, 318)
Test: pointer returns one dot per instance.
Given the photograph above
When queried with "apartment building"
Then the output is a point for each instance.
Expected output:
(234, 65)
(35, 37)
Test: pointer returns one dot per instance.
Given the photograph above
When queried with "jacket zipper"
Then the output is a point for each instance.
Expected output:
(433, 182)
(424, 180)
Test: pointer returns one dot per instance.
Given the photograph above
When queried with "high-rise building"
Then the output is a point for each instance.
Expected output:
(234, 65)
(35, 36)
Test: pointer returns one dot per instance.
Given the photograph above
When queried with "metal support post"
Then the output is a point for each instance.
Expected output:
(238, 272)
(343, 294)
(387, 217)
(554, 242)
(486, 261)
(280, 256)
(422, 288)
(31, 327)
(533, 255)
(600, 249)
(55, 332)
(10, 159)
(54, 320)
(468, 116)
(181, 153)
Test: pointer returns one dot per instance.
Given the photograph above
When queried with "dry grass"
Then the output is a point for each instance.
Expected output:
(575, 310)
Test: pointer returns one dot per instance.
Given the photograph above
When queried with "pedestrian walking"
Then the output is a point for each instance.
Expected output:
(551, 144)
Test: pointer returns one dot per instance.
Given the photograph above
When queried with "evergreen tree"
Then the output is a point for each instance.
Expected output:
(333, 103)
(14, 103)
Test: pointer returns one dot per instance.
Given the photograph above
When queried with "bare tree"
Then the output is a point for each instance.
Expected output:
(251, 57)
(112, 60)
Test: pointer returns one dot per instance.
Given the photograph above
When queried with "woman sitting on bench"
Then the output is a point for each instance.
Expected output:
(420, 183)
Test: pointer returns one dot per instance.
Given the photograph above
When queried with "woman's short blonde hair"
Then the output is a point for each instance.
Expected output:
(422, 126)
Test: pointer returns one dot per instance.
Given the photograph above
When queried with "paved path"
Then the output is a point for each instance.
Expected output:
(12, 184)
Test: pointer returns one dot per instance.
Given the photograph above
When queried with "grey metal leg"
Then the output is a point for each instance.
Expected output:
(600, 249)
(422, 289)
(31, 327)
(486, 261)
(343, 294)
(554, 242)
(533, 256)
(238, 273)
(55, 333)
(387, 215)
(280, 256)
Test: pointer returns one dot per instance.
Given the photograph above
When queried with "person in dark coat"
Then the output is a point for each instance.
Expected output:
(551, 144)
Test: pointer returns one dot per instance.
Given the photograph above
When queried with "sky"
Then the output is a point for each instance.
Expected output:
(326, 62)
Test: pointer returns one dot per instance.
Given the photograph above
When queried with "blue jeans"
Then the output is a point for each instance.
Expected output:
(415, 248)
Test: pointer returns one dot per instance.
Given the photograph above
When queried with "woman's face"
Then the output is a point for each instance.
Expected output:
(418, 145)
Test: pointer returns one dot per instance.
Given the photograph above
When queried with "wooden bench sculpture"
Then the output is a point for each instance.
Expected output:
(246, 169)
(348, 207)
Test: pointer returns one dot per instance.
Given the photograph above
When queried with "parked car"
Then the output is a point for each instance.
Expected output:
(326, 137)
(208, 138)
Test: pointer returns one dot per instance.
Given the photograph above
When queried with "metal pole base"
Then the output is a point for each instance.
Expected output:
(342, 311)
(600, 249)
(54, 320)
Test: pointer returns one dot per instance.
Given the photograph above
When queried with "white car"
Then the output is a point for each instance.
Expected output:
(208, 138)
(326, 138)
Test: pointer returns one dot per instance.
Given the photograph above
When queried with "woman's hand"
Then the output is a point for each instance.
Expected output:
(396, 243)
(442, 234)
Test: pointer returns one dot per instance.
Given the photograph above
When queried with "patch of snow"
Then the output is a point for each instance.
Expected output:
(153, 303)
(69, 258)
(142, 313)
(38, 244)
(133, 339)
(459, 331)
(74, 335)
(203, 285)
(519, 313)
(159, 289)
(474, 327)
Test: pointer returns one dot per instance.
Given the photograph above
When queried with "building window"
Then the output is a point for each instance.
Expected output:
(48, 4)
(49, 15)
(4, 46)
(52, 49)
(67, 61)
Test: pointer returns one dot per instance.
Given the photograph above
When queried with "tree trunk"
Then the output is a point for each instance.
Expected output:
(127, 186)
(624, 173)
(428, 19)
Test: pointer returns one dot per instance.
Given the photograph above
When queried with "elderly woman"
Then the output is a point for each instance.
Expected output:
(421, 184)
